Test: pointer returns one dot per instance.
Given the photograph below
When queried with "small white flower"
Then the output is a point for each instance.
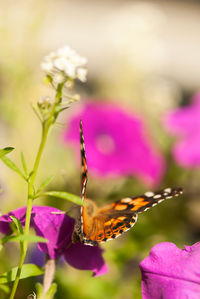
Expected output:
(59, 78)
(65, 64)
(82, 74)
(45, 102)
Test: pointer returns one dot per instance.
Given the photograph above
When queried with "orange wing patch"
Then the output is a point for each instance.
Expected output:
(120, 207)
(108, 230)
(138, 202)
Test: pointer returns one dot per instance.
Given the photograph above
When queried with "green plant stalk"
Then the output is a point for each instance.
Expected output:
(45, 129)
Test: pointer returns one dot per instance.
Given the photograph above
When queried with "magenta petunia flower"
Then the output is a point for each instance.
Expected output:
(185, 123)
(116, 142)
(171, 273)
(57, 229)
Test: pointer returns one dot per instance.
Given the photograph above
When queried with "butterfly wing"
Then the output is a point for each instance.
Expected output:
(78, 228)
(84, 172)
(112, 220)
(139, 204)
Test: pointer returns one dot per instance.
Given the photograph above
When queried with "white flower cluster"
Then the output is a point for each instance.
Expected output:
(65, 64)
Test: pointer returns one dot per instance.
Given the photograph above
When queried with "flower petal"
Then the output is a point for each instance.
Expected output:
(85, 257)
(5, 219)
(56, 228)
(171, 273)
(185, 123)
(116, 142)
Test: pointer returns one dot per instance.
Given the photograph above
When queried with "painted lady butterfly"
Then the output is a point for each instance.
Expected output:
(95, 225)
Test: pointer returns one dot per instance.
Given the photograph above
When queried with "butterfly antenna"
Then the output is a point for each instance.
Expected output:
(84, 175)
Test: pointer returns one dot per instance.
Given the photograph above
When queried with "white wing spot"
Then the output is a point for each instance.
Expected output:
(157, 196)
(168, 190)
(88, 244)
(126, 200)
(117, 236)
(149, 194)
(160, 200)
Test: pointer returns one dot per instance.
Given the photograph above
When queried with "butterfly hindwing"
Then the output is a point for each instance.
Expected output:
(106, 224)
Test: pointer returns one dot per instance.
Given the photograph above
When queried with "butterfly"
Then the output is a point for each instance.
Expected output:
(95, 225)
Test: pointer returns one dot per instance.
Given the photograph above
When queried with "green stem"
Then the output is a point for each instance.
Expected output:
(45, 129)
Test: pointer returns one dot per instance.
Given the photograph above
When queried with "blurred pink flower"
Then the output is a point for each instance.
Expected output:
(171, 273)
(57, 229)
(116, 142)
(185, 123)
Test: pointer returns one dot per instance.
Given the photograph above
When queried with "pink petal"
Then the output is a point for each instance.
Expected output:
(170, 272)
(185, 123)
(85, 257)
(56, 228)
(116, 142)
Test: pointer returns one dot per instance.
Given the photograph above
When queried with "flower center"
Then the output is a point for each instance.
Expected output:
(105, 144)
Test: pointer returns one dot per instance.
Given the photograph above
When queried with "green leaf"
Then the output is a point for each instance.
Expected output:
(12, 166)
(64, 195)
(24, 164)
(17, 223)
(31, 173)
(6, 151)
(19, 227)
(39, 289)
(4, 288)
(51, 291)
(22, 237)
(28, 270)
(45, 183)
(60, 109)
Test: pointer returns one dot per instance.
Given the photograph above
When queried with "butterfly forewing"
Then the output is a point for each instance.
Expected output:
(84, 175)
(139, 204)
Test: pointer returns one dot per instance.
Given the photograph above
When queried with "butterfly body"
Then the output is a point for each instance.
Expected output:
(95, 225)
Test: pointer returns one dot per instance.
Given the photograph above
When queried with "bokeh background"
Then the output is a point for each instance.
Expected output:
(142, 56)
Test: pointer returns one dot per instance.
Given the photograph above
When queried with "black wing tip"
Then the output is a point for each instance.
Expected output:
(177, 191)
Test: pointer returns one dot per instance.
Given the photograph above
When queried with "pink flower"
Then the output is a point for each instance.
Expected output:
(57, 229)
(116, 142)
(185, 123)
(171, 273)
